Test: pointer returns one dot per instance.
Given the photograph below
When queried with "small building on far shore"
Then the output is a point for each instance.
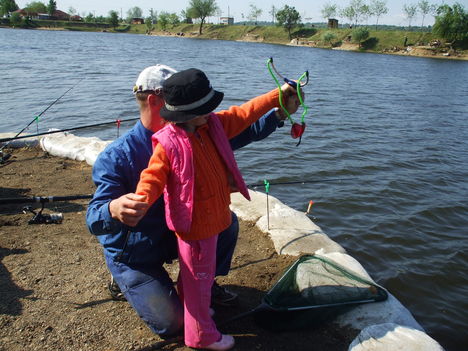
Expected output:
(332, 23)
(138, 20)
(228, 21)
(57, 15)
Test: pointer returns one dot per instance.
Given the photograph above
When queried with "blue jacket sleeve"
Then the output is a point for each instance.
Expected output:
(110, 185)
(259, 130)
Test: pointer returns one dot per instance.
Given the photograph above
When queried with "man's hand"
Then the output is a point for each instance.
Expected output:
(129, 208)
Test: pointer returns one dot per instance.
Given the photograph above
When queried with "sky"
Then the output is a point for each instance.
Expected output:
(310, 10)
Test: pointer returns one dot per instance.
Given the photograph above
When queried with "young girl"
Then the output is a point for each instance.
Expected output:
(193, 164)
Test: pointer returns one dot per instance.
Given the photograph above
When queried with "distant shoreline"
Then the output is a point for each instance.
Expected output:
(410, 50)
(414, 51)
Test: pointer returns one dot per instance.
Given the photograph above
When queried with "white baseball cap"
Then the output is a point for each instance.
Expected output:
(152, 78)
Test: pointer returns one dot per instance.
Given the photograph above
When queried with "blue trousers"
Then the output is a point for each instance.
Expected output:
(151, 293)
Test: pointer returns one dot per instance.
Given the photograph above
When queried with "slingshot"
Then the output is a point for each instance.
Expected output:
(296, 129)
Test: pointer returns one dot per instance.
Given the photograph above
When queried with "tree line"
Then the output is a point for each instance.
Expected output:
(359, 11)
(451, 22)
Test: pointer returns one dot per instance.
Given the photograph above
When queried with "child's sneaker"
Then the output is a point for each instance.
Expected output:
(226, 343)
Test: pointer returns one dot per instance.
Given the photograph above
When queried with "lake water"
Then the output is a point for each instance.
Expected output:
(384, 156)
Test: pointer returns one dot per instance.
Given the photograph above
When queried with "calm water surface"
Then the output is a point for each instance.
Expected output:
(385, 144)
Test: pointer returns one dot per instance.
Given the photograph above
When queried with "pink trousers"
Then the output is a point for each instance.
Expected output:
(197, 261)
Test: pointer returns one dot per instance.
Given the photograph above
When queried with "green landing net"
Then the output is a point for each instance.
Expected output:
(314, 290)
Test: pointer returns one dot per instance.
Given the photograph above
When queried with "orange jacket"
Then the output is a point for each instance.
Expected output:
(211, 213)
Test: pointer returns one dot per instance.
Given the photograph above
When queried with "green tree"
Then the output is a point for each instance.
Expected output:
(329, 37)
(149, 24)
(202, 9)
(255, 12)
(185, 16)
(113, 18)
(451, 22)
(51, 7)
(410, 11)
(15, 19)
(134, 12)
(7, 6)
(329, 11)
(272, 12)
(163, 19)
(72, 11)
(36, 7)
(359, 35)
(378, 8)
(425, 8)
(366, 12)
(89, 18)
(153, 16)
(288, 18)
(348, 13)
(356, 10)
(174, 19)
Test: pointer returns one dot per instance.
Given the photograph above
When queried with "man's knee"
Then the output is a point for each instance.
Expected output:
(161, 311)
(167, 328)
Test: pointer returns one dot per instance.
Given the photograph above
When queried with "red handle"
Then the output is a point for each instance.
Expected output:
(297, 130)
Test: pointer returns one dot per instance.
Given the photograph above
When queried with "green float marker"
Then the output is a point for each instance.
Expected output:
(267, 190)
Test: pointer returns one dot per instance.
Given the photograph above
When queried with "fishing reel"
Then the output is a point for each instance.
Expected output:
(40, 218)
(4, 157)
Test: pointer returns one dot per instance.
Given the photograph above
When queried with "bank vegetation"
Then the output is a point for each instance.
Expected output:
(359, 38)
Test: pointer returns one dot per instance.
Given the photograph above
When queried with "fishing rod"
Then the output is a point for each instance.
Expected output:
(39, 217)
(69, 129)
(36, 118)
(299, 182)
(42, 199)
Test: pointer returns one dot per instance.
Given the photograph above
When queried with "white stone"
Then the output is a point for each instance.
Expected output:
(291, 231)
(388, 311)
(73, 147)
(393, 337)
(92, 150)
(254, 209)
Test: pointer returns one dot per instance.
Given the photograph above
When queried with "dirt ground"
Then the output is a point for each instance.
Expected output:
(53, 280)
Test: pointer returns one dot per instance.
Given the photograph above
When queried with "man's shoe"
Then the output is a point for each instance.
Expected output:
(115, 292)
(225, 343)
(221, 296)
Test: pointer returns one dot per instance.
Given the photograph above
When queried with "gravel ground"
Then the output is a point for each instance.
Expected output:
(53, 280)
